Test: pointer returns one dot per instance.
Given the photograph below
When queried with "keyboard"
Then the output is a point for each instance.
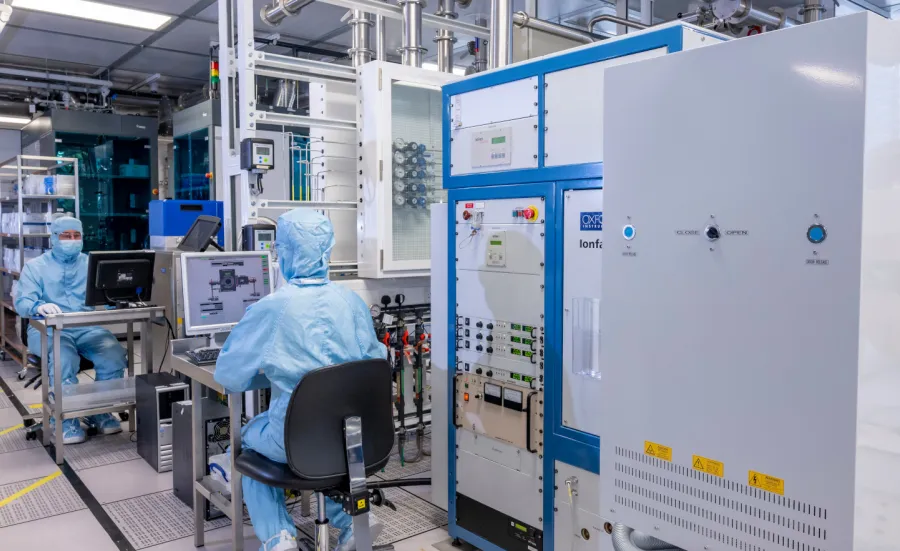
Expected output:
(203, 356)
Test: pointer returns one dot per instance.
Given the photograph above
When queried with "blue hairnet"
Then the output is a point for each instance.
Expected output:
(64, 223)
(304, 240)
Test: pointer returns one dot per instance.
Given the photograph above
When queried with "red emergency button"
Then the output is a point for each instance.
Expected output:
(466, 215)
(530, 213)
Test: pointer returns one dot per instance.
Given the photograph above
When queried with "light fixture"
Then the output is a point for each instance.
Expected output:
(411, 84)
(457, 70)
(14, 120)
(97, 11)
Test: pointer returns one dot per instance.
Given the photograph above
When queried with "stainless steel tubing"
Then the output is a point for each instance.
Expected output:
(615, 19)
(360, 51)
(276, 12)
(523, 20)
(322, 536)
(812, 11)
(411, 50)
(380, 53)
(501, 34)
(445, 39)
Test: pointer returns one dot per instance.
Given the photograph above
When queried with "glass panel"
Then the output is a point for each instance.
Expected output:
(115, 189)
(300, 184)
(416, 167)
(192, 165)
(586, 337)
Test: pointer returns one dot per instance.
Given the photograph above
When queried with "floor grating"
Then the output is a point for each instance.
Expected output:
(54, 498)
(15, 441)
(393, 470)
(5, 402)
(413, 516)
(102, 450)
(156, 519)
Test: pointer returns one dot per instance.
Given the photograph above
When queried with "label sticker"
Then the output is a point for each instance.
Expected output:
(766, 482)
(361, 504)
(658, 450)
(470, 205)
(708, 466)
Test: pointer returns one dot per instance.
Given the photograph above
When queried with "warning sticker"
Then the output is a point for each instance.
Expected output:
(658, 450)
(361, 504)
(765, 482)
(708, 466)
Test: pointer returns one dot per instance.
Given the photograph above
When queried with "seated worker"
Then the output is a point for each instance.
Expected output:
(307, 324)
(53, 283)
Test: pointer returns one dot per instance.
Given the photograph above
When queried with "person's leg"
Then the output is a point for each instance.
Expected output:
(72, 431)
(266, 505)
(101, 347)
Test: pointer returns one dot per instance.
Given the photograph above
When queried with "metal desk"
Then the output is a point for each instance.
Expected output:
(142, 316)
(202, 376)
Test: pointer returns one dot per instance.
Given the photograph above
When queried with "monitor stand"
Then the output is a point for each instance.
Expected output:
(212, 243)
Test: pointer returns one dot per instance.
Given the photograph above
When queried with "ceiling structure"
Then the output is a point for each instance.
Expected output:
(180, 50)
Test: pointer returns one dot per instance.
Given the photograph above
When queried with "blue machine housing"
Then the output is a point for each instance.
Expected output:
(174, 217)
(561, 443)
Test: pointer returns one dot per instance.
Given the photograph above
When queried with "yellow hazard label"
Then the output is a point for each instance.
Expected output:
(766, 482)
(361, 504)
(657, 450)
(708, 466)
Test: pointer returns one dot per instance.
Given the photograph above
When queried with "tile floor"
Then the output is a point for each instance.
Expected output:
(139, 502)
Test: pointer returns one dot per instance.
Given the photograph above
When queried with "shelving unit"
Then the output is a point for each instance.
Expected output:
(13, 173)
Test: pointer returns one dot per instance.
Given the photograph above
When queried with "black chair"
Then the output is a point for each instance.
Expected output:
(339, 429)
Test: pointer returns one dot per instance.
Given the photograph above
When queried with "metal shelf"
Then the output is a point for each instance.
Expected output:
(10, 272)
(15, 235)
(39, 197)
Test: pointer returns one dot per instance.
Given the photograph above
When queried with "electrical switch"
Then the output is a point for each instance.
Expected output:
(490, 373)
(479, 348)
(478, 371)
(490, 350)
(490, 325)
(530, 213)
(466, 215)
(479, 325)
(479, 336)
(490, 338)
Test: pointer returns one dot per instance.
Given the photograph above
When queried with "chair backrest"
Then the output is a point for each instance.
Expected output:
(314, 425)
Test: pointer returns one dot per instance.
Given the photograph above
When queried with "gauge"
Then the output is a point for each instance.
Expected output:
(375, 310)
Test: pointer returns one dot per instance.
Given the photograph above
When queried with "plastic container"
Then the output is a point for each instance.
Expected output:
(98, 394)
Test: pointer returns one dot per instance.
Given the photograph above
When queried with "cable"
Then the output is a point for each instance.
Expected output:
(169, 337)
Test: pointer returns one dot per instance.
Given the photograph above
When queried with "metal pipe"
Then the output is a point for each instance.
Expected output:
(360, 51)
(615, 19)
(276, 12)
(379, 7)
(693, 17)
(501, 34)
(55, 77)
(445, 38)
(812, 11)
(380, 48)
(523, 20)
(411, 50)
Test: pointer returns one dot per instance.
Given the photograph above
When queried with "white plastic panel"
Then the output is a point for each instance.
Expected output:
(574, 103)
(439, 344)
(578, 514)
(504, 102)
(696, 39)
(468, 153)
(582, 249)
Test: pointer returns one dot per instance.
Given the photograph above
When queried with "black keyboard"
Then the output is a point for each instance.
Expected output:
(203, 356)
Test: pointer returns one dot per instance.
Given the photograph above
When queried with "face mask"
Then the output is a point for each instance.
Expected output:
(70, 247)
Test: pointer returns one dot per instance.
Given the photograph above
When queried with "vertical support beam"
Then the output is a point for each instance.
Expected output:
(380, 47)
(500, 43)
(621, 11)
(411, 50)
(647, 12)
(360, 51)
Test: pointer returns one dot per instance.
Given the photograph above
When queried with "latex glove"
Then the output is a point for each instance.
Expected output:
(48, 309)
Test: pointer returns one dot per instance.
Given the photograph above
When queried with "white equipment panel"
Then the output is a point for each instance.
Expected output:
(582, 249)
(751, 367)
(500, 284)
(573, 99)
(504, 102)
(578, 524)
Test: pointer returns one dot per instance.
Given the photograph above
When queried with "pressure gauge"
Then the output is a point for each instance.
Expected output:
(375, 310)
(399, 157)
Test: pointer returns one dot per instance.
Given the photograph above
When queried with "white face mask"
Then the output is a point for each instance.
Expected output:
(70, 247)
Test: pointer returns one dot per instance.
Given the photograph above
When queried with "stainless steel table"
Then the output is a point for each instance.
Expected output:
(202, 376)
(130, 316)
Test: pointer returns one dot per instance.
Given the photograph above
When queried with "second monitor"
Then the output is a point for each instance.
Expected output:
(218, 288)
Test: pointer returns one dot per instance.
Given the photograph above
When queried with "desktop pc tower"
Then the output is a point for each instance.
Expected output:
(156, 393)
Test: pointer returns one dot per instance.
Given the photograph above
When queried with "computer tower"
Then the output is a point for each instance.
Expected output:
(217, 437)
(155, 394)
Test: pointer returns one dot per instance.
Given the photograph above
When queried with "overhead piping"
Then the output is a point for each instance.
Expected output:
(276, 12)
(500, 44)
(411, 50)
(615, 19)
(523, 20)
(58, 77)
(360, 51)
(445, 38)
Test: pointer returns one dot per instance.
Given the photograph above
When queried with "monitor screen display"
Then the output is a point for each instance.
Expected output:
(218, 288)
(197, 237)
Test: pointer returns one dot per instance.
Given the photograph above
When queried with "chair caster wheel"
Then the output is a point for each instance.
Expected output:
(30, 436)
(21, 375)
(123, 416)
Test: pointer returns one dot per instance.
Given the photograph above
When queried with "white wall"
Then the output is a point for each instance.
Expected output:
(10, 144)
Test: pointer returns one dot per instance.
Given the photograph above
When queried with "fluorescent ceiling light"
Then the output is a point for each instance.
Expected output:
(96, 11)
(14, 120)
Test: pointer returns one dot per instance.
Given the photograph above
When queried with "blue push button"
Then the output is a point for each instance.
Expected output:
(628, 232)
(816, 233)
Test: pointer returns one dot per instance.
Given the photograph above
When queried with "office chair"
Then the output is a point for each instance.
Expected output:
(339, 430)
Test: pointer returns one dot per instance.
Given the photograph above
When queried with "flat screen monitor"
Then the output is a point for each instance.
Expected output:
(218, 288)
(119, 276)
(201, 234)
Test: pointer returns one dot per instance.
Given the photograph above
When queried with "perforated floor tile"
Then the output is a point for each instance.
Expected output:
(156, 519)
(102, 450)
(393, 470)
(15, 441)
(413, 516)
(56, 497)
(4, 401)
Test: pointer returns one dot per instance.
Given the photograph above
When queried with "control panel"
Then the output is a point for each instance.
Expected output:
(500, 408)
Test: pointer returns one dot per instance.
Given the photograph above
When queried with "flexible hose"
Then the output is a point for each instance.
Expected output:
(624, 539)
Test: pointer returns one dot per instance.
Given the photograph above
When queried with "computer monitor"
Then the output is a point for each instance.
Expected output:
(218, 288)
(201, 234)
(119, 277)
